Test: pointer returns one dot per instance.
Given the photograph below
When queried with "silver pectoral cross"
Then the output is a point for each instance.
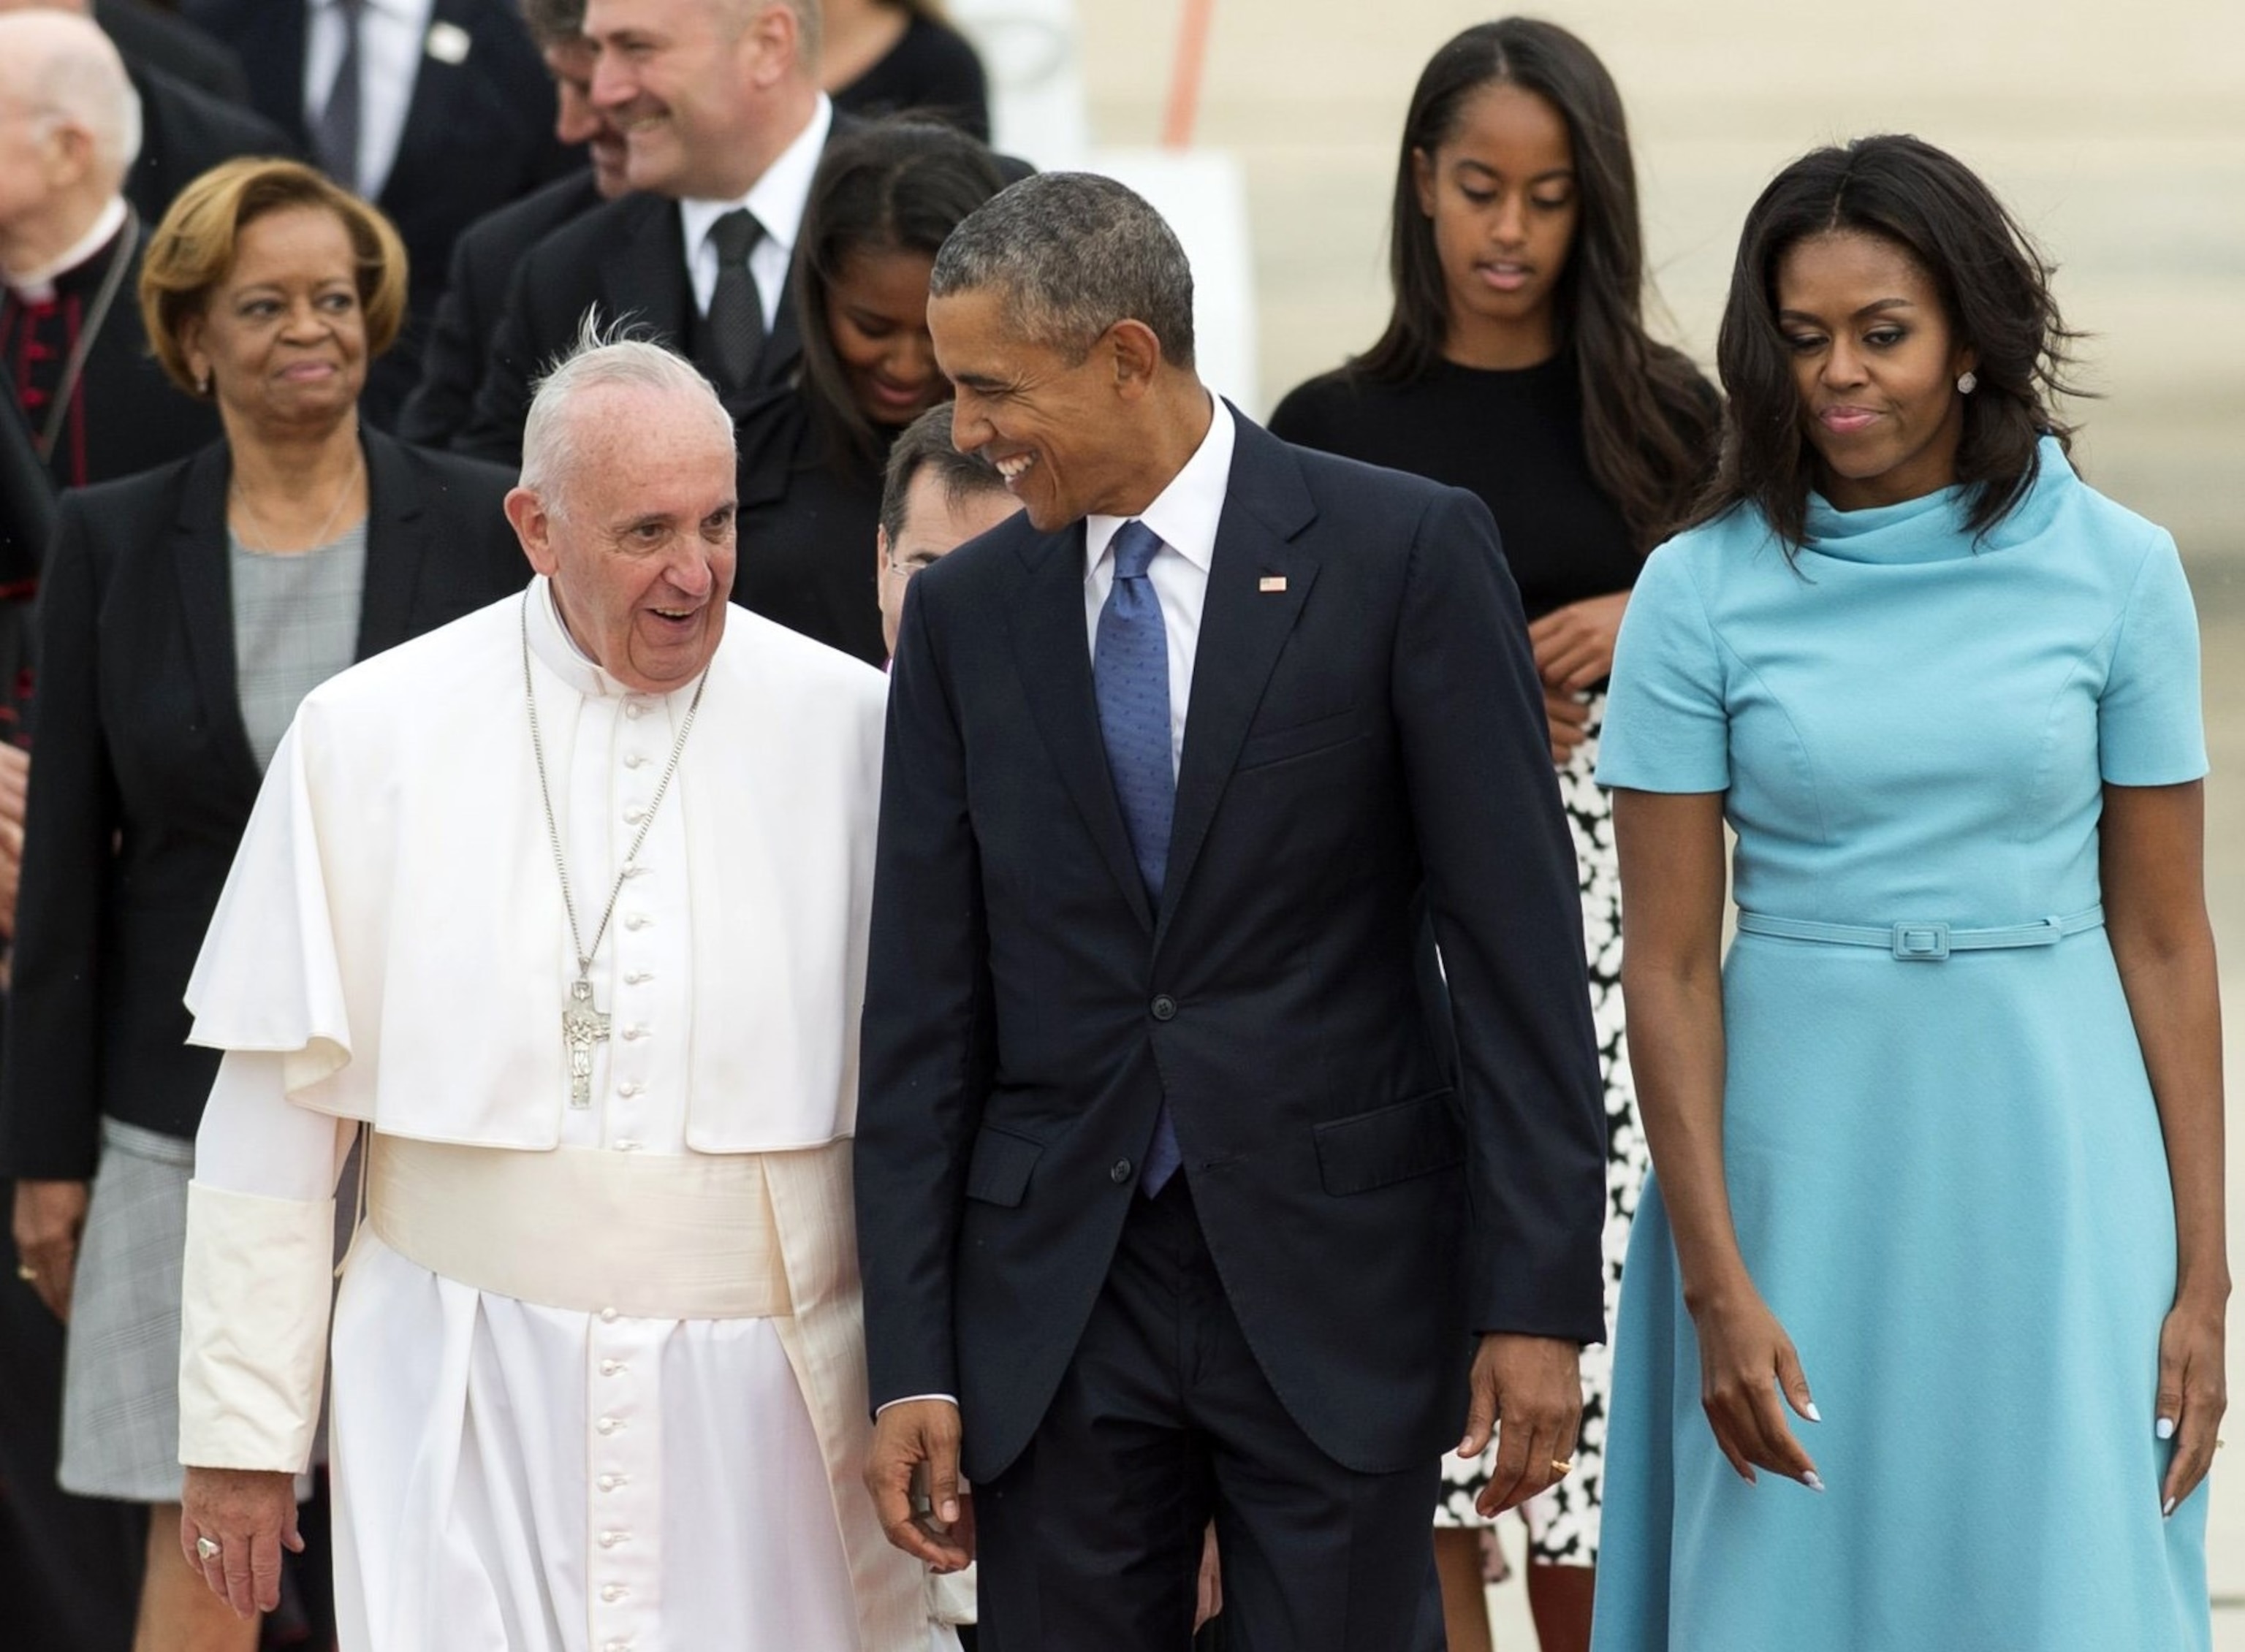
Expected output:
(582, 1026)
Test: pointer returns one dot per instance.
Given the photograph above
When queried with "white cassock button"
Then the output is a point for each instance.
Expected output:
(630, 1088)
(625, 1144)
(637, 920)
(610, 1367)
(615, 1646)
(608, 1425)
(607, 1315)
(634, 760)
(636, 1031)
(635, 814)
(633, 709)
(634, 870)
(639, 978)
(610, 1482)
(613, 1591)
(609, 1540)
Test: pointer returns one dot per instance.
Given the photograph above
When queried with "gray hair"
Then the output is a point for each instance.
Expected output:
(602, 358)
(69, 74)
(553, 23)
(1072, 253)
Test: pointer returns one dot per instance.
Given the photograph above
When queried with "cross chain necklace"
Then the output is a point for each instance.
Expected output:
(582, 1024)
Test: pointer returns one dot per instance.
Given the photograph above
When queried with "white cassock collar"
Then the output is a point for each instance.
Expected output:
(560, 653)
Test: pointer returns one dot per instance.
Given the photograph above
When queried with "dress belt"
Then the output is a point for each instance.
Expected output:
(1923, 943)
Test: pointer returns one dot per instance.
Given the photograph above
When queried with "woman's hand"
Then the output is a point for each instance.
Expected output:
(2193, 1392)
(251, 1516)
(1569, 718)
(1744, 1357)
(1209, 1589)
(1575, 645)
(49, 1216)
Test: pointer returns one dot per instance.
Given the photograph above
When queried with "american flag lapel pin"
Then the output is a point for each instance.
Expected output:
(1271, 582)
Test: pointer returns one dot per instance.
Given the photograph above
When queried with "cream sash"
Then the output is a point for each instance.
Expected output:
(651, 1236)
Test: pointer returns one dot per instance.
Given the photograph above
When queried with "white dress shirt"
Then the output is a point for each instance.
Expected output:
(776, 201)
(392, 38)
(1184, 515)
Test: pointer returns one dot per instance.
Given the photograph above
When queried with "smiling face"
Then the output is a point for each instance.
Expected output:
(578, 119)
(683, 78)
(1875, 361)
(877, 316)
(1062, 433)
(638, 537)
(282, 337)
(1502, 196)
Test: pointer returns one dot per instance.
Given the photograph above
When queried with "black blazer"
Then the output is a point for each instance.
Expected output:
(479, 134)
(149, 35)
(146, 778)
(1366, 745)
(184, 133)
(628, 258)
(475, 297)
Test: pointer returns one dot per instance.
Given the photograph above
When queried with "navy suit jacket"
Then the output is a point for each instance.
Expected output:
(478, 134)
(1381, 1170)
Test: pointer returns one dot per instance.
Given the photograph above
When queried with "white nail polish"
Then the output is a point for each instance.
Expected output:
(1810, 1412)
(2167, 1508)
(2165, 1428)
(1812, 1482)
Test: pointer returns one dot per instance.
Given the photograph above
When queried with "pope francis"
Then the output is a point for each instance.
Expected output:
(561, 910)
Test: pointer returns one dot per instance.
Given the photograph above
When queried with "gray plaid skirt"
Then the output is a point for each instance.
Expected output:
(121, 1375)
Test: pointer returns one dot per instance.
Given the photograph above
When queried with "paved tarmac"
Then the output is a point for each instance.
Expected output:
(2115, 135)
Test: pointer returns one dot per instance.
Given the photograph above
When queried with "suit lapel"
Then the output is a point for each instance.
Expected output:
(440, 93)
(396, 543)
(644, 279)
(1054, 658)
(1243, 628)
(199, 557)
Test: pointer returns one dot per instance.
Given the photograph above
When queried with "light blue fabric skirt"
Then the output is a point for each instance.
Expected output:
(1949, 1185)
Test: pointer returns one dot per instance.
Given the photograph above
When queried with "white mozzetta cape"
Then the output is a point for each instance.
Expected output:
(395, 878)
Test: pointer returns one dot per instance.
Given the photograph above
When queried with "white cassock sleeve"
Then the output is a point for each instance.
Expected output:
(260, 1271)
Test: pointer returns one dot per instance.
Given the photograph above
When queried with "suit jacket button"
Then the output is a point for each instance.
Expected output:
(1164, 1007)
(1121, 1173)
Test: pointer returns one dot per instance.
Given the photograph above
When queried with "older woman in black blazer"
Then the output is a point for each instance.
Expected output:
(186, 612)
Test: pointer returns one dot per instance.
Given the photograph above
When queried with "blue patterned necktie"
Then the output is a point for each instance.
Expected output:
(1130, 677)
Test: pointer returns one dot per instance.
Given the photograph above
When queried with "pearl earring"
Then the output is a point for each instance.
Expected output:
(202, 385)
(1967, 382)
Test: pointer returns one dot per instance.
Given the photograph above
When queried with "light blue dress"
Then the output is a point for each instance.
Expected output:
(1948, 1176)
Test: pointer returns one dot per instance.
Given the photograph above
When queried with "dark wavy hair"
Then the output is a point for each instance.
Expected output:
(1994, 286)
(1649, 425)
(895, 185)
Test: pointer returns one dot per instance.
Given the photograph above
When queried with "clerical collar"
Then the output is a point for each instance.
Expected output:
(565, 657)
(38, 286)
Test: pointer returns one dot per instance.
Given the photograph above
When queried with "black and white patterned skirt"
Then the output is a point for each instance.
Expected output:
(1563, 1523)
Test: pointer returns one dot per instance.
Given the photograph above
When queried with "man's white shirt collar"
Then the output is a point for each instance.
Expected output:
(777, 200)
(38, 286)
(1184, 514)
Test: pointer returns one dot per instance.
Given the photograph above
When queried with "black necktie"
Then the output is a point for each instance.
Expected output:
(335, 135)
(736, 321)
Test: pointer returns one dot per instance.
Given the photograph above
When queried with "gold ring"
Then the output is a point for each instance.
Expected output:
(1563, 1466)
(27, 1273)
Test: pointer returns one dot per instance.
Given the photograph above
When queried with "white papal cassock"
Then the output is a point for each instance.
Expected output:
(598, 1371)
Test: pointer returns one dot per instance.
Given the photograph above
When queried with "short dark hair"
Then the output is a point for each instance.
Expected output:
(895, 185)
(1995, 292)
(553, 23)
(926, 445)
(1073, 254)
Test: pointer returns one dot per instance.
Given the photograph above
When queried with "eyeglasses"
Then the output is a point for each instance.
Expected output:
(913, 565)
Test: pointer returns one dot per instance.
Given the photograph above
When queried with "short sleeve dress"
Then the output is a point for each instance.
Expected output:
(1948, 1173)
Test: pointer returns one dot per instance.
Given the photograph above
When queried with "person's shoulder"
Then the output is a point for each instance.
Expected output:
(507, 232)
(438, 670)
(153, 36)
(1318, 411)
(451, 474)
(176, 112)
(565, 263)
(937, 47)
(147, 499)
(822, 680)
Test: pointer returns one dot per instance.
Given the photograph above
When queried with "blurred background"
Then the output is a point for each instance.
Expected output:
(2117, 136)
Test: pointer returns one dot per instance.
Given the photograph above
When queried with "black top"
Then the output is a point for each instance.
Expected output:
(931, 70)
(1514, 437)
(807, 553)
(146, 778)
(148, 35)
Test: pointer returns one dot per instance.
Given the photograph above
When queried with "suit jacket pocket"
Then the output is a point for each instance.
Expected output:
(1301, 740)
(1394, 1143)
(999, 1172)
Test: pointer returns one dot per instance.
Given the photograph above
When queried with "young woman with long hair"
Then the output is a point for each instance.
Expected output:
(1517, 364)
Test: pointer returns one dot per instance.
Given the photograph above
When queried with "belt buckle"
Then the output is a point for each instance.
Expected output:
(1920, 942)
